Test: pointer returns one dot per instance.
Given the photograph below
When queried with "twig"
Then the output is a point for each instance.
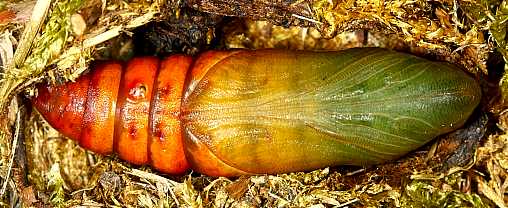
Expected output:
(13, 152)
(306, 18)
(349, 202)
(355, 172)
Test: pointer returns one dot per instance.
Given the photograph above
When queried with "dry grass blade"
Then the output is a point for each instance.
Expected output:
(152, 177)
(13, 152)
(6, 50)
(31, 29)
(490, 193)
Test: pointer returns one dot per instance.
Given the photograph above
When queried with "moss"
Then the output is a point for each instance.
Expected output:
(440, 192)
(449, 30)
(55, 185)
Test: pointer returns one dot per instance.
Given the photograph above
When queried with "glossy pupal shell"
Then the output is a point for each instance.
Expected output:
(130, 109)
(267, 111)
(271, 111)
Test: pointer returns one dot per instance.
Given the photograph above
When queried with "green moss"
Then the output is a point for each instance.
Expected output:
(52, 40)
(499, 28)
(424, 194)
(56, 186)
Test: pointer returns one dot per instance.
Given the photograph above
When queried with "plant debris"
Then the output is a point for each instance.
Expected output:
(74, 32)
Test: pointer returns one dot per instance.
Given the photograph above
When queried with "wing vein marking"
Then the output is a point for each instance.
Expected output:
(340, 139)
(352, 83)
(385, 87)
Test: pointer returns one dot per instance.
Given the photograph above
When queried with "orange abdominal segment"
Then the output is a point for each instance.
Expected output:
(135, 93)
(99, 117)
(166, 145)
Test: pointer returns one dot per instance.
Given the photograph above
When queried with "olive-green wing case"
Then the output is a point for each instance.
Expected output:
(273, 111)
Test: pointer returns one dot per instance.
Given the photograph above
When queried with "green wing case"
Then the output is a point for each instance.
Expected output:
(273, 111)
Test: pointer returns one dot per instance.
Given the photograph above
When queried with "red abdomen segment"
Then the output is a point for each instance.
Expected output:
(132, 110)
